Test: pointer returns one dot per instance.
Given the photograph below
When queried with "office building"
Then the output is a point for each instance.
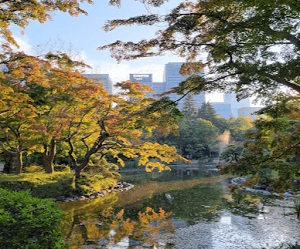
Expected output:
(223, 109)
(145, 79)
(159, 88)
(172, 78)
(248, 112)
(103, 79)
(236, 105)
(199, 99)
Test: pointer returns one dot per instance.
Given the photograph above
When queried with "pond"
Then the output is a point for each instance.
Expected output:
(197, 213)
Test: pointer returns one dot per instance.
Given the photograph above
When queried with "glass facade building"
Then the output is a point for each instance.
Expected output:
(223, 109)
(102, 78)
(172, 78)
(236, 105)
(159, 88)
(145, 79)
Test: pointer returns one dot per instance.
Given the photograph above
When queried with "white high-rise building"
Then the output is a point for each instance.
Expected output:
(236, 105)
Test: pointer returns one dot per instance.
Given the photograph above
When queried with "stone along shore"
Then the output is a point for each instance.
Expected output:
(119, 187)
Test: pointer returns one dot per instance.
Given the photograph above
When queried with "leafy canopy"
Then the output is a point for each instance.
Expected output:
(47, 101)
(274, 144)
(252, 47)
(21, 12)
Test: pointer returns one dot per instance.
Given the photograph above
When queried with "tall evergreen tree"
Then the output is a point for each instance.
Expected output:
(207, 111)
(189, 110)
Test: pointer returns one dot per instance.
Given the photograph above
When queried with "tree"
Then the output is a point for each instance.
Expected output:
(274, 145)
(231, 152)
(195, 138)
(38, 96)
(238, 127)
(17, 112)
(221, 123)
(118, 125)
(61, 105)
(188, 108)
(21, 12)
(252, 47)
(207, 111)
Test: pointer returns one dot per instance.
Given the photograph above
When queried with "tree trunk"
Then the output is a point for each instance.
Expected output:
(49, 169)
(90, 151)
(79, 168)
(18, 153)
(77, 172)
(48, 156)
(19, 162)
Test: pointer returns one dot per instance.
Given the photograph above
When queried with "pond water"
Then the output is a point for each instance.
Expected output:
(198, 213)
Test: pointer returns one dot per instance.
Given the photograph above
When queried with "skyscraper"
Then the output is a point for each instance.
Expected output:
(145, 79)
(172, 78)
(102, 78)
(223, 109)
(236, 105)
(159, 88)
(249, 112)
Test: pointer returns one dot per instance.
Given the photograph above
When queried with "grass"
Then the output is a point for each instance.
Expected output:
(43, 185)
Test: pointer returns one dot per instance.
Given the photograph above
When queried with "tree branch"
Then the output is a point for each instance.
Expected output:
(8, 151)
(285, 35)
(284, 82)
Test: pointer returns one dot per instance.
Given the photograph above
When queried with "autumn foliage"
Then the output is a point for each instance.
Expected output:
(46, 101)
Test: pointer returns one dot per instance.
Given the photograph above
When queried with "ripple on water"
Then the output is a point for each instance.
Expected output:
(268, 230)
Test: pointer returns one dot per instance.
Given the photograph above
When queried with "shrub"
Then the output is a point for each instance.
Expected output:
(40, 184)
(88, 184)
(57, 184)
(62, 168)
(33, 168)
(108, 170)
(29, 222)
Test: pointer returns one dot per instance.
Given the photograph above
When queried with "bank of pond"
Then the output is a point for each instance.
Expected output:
(166, 213)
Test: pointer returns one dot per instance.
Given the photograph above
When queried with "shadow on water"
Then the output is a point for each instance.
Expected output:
(134, 216)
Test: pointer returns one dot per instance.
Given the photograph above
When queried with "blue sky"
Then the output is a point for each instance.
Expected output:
(84, 34)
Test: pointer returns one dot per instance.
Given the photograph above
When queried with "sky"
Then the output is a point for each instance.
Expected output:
(82, 35)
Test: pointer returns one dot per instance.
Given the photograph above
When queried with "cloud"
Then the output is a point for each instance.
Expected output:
(22, 42)
(24, 45)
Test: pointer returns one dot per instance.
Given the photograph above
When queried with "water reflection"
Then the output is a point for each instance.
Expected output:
(136, 216)
(112, 227)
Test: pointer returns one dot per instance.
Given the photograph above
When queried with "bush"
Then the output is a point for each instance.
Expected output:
(53, 185)
(62, 168)
(29, 222)
(33, 168)
(89, 184)
(40, 184)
